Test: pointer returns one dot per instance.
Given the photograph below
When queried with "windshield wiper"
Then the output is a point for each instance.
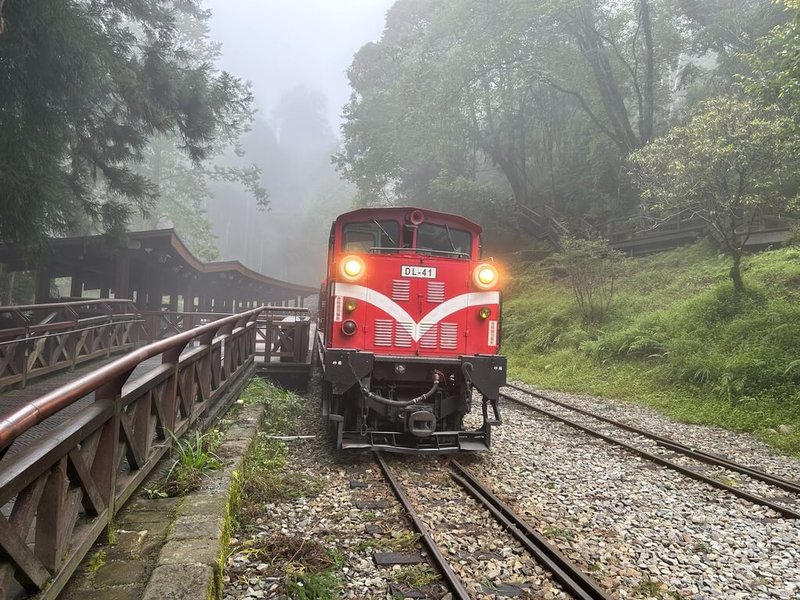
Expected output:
(386, 233)
(450, 238)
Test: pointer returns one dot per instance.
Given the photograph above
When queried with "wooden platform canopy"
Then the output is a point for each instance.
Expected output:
(156, 270)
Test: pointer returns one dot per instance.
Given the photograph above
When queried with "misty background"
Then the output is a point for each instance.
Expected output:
(296, 56)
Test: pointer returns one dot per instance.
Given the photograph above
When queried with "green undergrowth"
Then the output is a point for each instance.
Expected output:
(309, 570)
(195, 458)
(266, 477)
(676, 338)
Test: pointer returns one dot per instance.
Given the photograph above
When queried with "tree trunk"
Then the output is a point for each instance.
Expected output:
(595, 54)
(736, 274)
(646, 119)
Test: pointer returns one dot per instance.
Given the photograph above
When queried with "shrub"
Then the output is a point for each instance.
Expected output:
(592, 267)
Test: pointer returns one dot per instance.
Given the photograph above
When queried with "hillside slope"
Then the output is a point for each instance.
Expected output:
(676, 339)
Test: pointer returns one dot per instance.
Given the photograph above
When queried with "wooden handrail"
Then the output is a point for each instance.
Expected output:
(96, 458)
(44, 338)
(33, 413)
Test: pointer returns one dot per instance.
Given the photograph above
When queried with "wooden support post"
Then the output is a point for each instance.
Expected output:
(188, 297)
(154, 291)
(122, 274)
(42, 283)
(76, 286)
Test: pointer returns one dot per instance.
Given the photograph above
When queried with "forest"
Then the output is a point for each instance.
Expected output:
(538, 119)
(585, 111)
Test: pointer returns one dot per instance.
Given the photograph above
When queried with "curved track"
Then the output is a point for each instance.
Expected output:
(673, 446)
(572, 579)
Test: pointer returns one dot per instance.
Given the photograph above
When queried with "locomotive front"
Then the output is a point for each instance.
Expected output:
(410, 321)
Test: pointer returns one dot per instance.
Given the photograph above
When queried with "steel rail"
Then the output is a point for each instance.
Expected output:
(783, 510)
(453, 582)
(706, 457)
(14, 424)
(568, 574)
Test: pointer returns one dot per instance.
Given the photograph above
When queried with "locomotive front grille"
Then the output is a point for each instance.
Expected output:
(401, 290)
(430, 340)
(383, 332)
(436, 292)
(448, 337)
(437, 336)
(402, 339)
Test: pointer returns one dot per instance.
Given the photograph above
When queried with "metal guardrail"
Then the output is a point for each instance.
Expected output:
(40, 339)
(58, 495)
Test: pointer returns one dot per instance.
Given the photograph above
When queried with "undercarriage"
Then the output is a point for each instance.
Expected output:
(411, 404)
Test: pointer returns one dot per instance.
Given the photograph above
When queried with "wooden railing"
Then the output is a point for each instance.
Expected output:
(160, 324)
(282, 337)
(282, 332)
(641, 227)
(58, 495)
(39, 339)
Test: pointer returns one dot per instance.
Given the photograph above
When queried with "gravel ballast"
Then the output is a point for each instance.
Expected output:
(641, 530)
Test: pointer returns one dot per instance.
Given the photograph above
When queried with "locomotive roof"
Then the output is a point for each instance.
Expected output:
(398, 212)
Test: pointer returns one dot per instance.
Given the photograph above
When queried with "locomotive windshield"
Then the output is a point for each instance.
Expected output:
(363, 237)
(443, 239)
(386, 236)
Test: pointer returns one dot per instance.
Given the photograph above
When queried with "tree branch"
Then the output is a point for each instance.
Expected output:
(582, 101)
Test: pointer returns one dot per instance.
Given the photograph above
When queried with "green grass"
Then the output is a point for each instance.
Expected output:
(195, 459)
(676, 339)
(97, 562)
(650, 588)
(309, 569)
(266, 477)
(416, 576)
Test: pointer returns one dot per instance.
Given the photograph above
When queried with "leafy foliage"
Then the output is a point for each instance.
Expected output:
(677, 337)
(540, 101)
(592, 267)
(730, 165)
(195, 458)
(775, 64)
(84, 86)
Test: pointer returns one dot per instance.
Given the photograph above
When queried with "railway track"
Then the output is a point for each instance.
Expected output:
(568, 575)
(636, 440)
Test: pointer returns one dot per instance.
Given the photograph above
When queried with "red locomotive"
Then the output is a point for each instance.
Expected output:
(409, 325)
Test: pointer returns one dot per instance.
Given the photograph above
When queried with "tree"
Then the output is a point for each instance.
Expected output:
(775, 64)
(728, 166)
(84, 86)
(182, 183)
(542, 100)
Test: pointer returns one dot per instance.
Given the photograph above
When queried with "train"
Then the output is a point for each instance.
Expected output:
(409, 327)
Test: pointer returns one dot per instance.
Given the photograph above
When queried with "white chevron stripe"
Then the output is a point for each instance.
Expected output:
(398, 313)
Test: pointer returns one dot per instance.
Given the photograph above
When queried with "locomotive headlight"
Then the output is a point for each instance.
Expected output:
(485, 276)
(350, 305)
(352, 267)
(485, 313)
(349, 327)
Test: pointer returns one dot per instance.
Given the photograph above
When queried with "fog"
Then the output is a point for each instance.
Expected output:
(281, 44)
(296, 55)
